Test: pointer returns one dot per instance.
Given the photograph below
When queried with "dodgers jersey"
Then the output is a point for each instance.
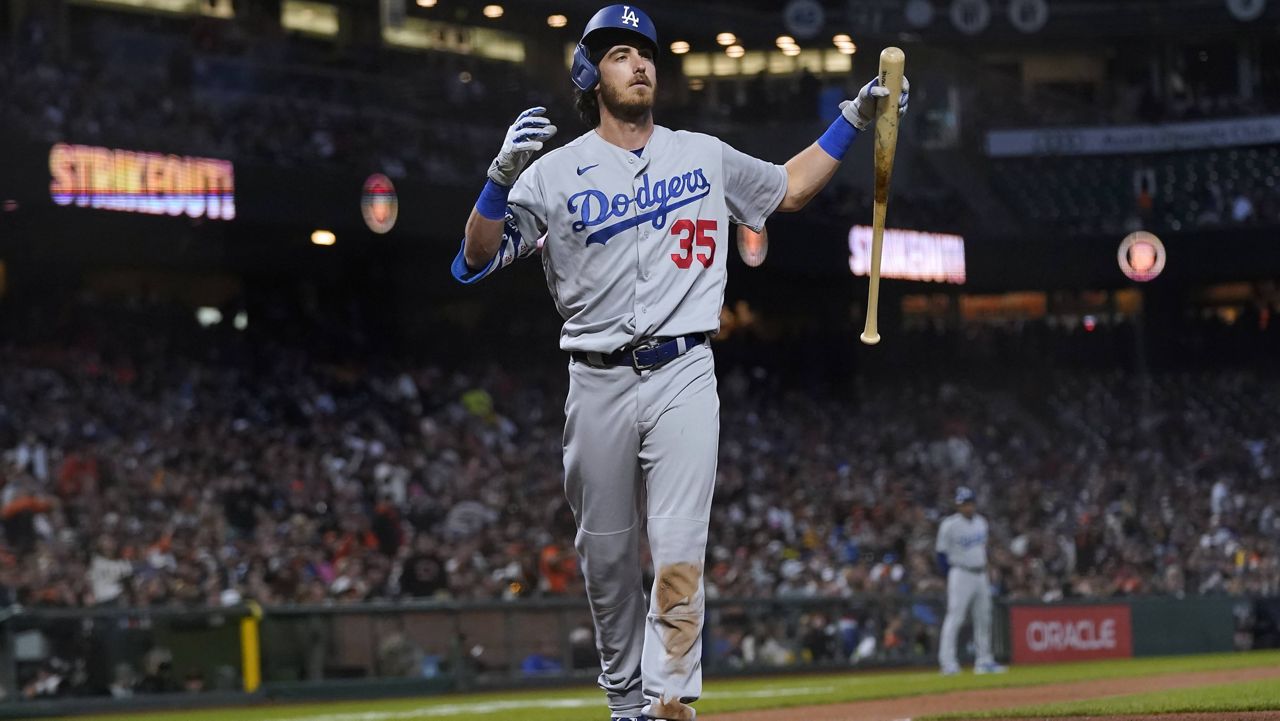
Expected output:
(964, 540)
(635, 244)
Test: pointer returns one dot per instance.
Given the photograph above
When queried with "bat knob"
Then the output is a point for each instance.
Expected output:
(870, 339)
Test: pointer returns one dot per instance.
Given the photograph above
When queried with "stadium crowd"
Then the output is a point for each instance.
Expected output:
(136, 475)
(218, 89)
(228, 91)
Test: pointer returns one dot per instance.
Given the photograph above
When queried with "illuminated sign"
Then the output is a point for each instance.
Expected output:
(1141, 256)
(909, 254)
(136, 182)
(379, 203)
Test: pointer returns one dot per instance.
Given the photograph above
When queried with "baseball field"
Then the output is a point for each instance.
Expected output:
(1227, 686)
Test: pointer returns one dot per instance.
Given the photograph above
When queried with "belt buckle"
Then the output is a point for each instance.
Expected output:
(647, 344)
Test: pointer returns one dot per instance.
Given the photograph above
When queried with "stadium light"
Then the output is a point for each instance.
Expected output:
(726, 39)
(735, 51)
(557, 21)
(842, 39)
(679, 47)
(785, 40)
(426, 3)
(849, 49)
(791, 50)
(208, 316)
(493, 12)
(323, 237)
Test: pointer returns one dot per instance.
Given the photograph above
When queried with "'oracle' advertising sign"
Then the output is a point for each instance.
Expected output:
(1070, 633)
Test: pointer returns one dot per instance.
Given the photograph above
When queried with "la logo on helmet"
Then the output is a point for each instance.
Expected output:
(629, 16)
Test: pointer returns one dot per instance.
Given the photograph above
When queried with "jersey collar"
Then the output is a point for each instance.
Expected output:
(628, 159)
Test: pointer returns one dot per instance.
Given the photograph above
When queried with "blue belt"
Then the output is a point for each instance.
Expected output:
(646, 355)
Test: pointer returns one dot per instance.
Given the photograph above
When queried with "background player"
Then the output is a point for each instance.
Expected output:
(636, 219)
(962, 556)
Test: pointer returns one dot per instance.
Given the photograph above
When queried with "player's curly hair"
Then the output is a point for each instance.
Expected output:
(588, 106)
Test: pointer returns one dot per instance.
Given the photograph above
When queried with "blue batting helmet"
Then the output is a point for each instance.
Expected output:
(628, 18)
(965, 494)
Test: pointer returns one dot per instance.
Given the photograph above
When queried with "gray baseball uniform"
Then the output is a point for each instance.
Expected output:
(964, 541)
(635, 247)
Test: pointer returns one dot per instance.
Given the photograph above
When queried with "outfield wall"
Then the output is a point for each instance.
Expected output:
(1122, 628)
(223, 656)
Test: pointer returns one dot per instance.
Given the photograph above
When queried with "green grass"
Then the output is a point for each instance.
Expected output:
(729, 695)
(1227, 698)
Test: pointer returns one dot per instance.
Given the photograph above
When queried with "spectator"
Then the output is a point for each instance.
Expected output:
(107, 572)
(557, 567)
(1242, 209)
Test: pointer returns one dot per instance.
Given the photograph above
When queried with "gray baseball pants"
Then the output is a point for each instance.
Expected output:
(642, 448)
(966, 591)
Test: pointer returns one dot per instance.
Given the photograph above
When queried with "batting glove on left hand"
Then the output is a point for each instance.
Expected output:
(861, 111)
(524, 138)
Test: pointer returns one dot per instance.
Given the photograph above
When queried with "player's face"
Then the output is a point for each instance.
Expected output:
(968, 509)
(627, 82)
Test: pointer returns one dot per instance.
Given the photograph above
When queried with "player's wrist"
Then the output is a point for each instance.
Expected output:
(504, 170)
(492, 203)
(838, 138)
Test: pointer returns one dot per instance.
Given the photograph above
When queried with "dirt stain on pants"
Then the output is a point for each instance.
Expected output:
(679, 618)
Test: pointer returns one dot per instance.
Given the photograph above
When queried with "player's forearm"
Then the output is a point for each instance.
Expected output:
(807, 174)
(810, 170)
(482, 240)
(483, 237)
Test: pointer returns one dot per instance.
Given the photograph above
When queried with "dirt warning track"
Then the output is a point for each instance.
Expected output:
(903, 709)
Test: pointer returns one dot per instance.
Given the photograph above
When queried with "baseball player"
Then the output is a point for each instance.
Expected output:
(636, 225)
(962, 557)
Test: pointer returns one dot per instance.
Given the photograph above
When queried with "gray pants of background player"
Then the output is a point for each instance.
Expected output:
(966, 591)
(642, 448)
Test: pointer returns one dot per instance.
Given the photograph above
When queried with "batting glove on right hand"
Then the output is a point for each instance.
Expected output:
(524, 138)
(861, 111)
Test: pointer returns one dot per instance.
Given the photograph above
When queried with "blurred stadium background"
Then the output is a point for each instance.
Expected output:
(255, 438)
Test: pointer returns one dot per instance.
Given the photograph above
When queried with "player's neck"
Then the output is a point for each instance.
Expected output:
(626, 134)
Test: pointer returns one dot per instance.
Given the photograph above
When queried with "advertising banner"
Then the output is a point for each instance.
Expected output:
(1129, 139)
(1043, 634)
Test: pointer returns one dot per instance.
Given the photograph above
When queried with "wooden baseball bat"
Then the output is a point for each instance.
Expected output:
(892, 61)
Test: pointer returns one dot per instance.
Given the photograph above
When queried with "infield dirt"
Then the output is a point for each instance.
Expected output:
(903, 709)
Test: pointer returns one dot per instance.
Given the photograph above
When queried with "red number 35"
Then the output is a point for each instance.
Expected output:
(701, 236)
